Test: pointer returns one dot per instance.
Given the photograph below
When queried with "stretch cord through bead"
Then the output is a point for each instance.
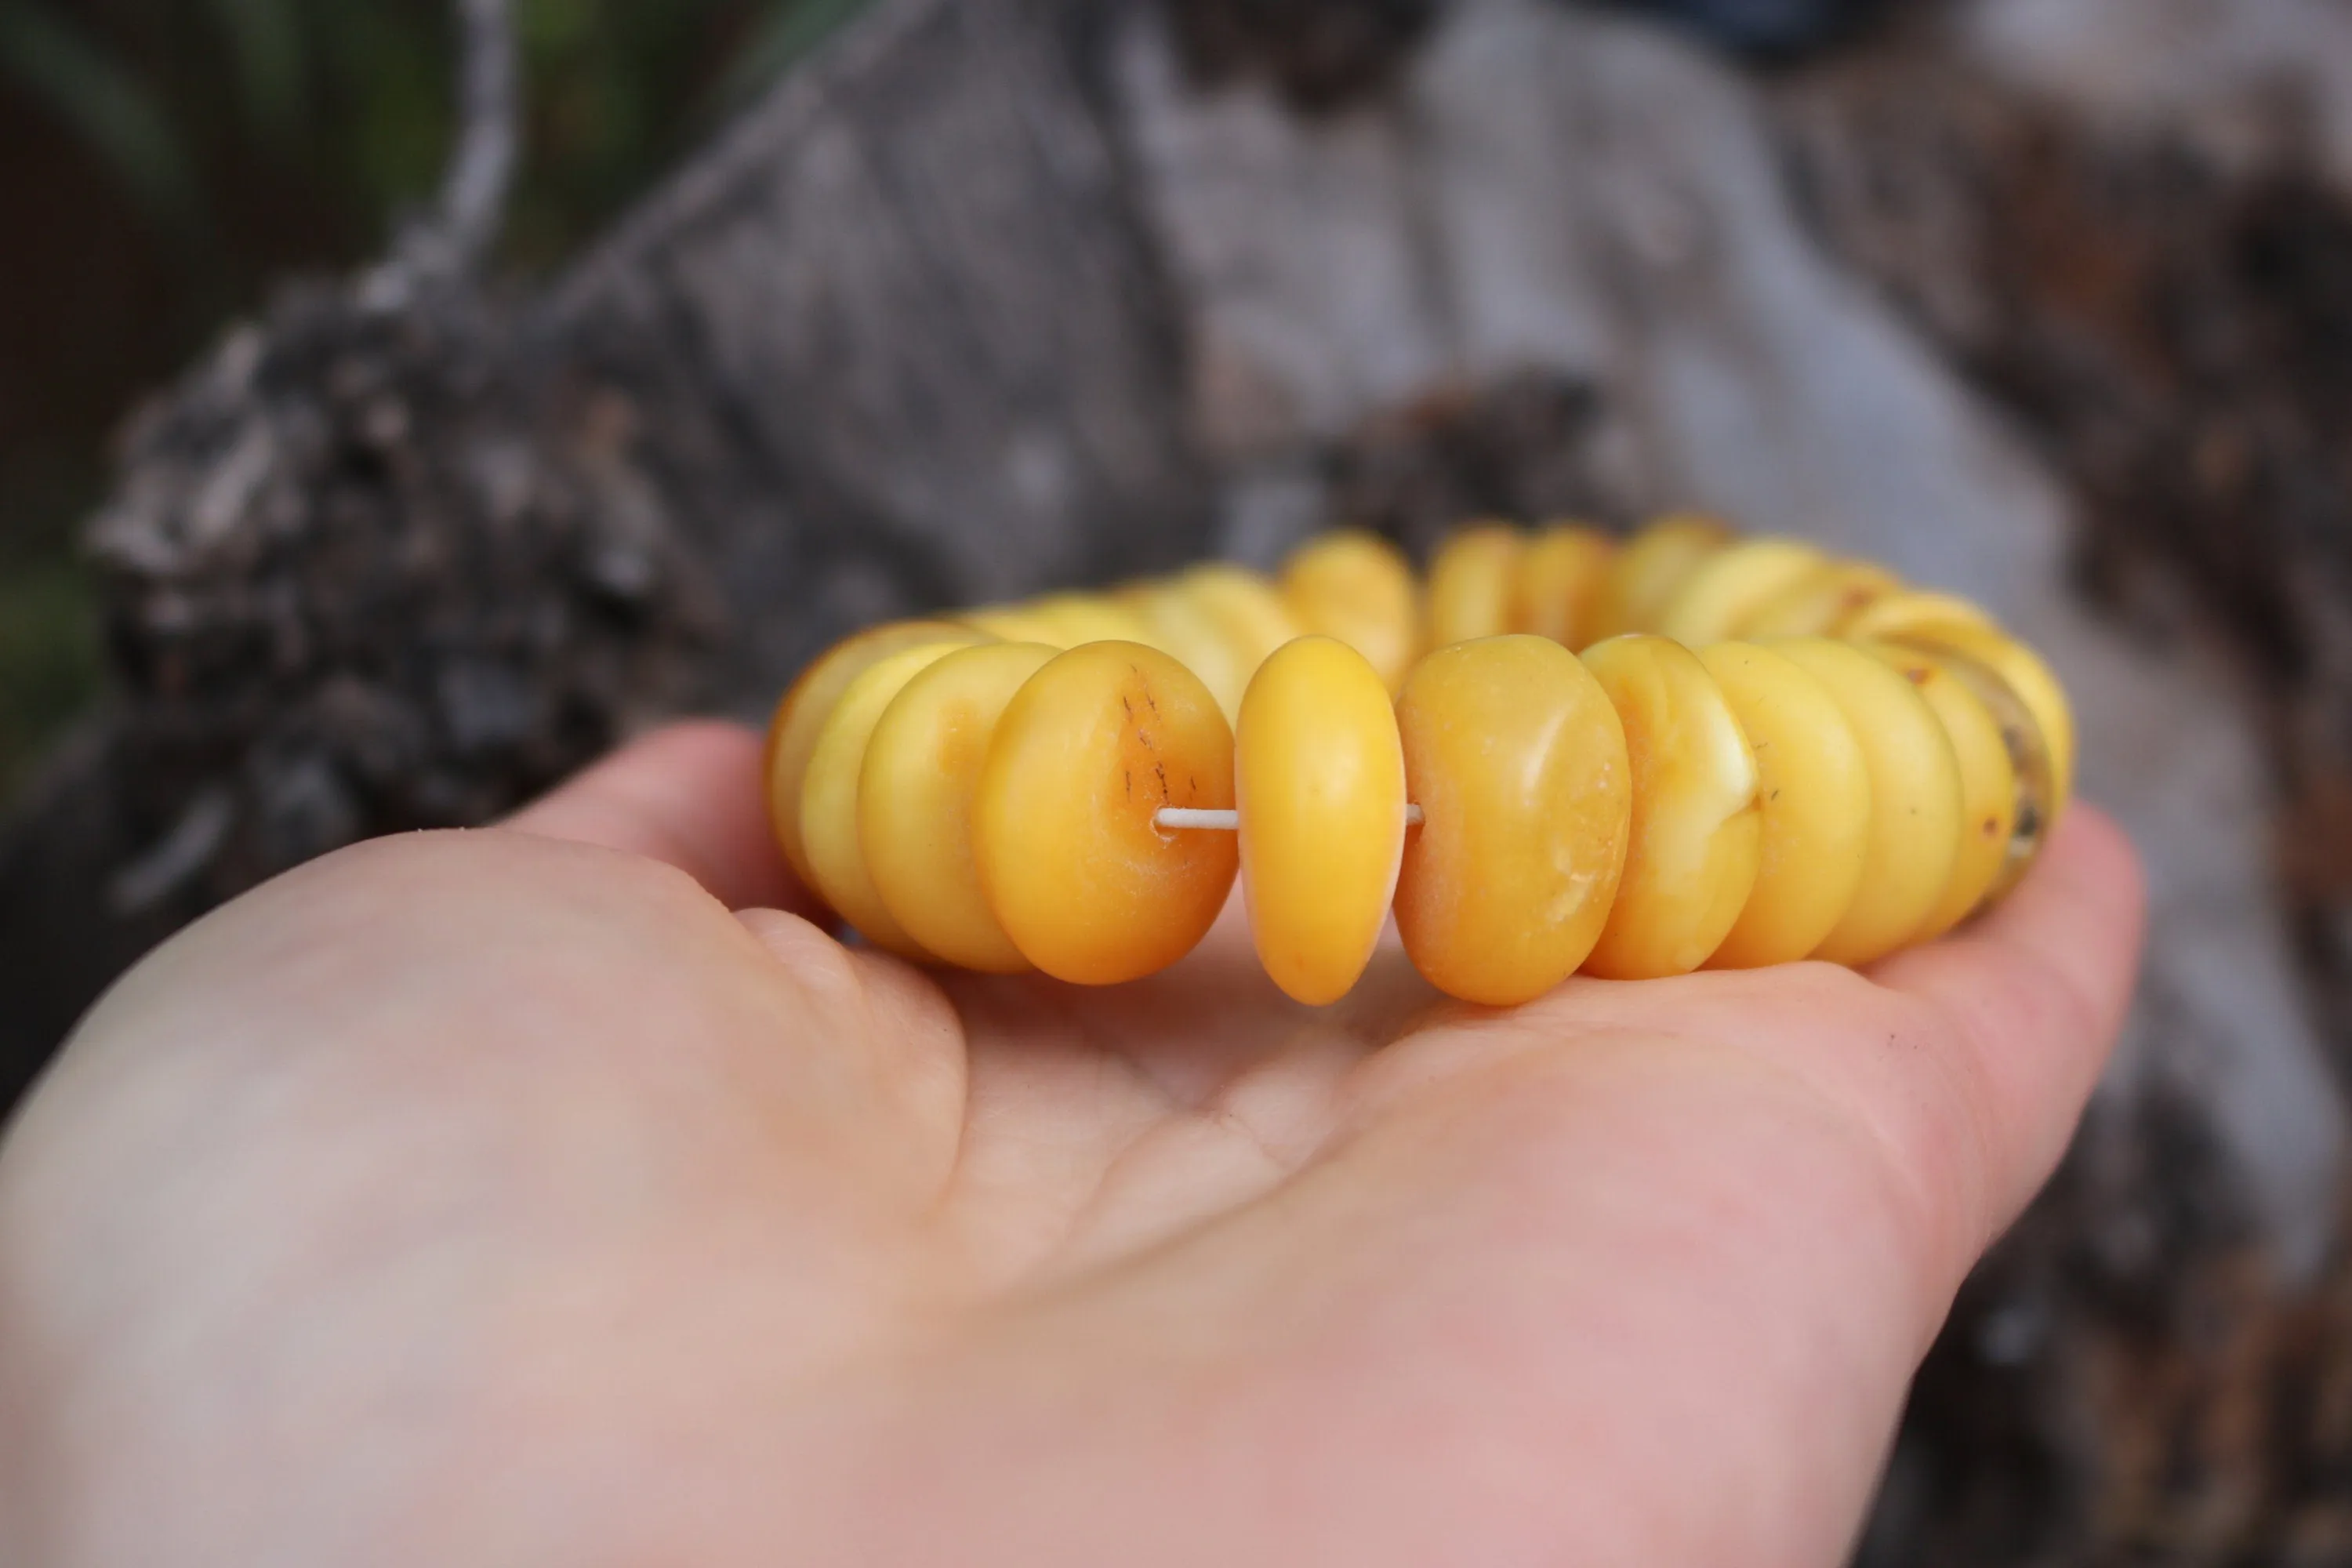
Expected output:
(1560, 752)
(1176, 816)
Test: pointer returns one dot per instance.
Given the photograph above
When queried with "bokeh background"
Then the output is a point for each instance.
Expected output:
(163, 163)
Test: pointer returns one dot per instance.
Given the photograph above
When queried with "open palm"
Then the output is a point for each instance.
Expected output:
(503, 1197)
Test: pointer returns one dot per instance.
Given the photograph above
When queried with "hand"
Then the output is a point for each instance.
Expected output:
(501, 1197)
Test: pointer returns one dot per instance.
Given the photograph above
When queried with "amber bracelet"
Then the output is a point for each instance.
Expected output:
(1761, 753)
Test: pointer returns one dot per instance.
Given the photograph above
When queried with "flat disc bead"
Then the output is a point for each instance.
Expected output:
(1471, 584)
(1012, 623)
(1988, 781)
(1912, 611)
(1087, 886)
(1557, 586)
(829, 797)
(1914, 800)
(1318, 769)
(1813, 790)
(1245, 608)
(2029, 762)
(1649, 567)
(2020, 669)
(1076, 619)
(1727, 588)
(914, 796)
(1821, 601)
(1698, 838)
(800, 715)
(1359, 588)
(1517, 762)
(1176, 624)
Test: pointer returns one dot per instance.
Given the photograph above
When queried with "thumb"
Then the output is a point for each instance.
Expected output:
(690, 795)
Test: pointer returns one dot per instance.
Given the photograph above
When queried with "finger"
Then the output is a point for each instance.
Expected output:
(1968, 1062)
(1720, 1209)
(689, 795)
(2038, 988)
(1802, 1128)
(1620, 1245)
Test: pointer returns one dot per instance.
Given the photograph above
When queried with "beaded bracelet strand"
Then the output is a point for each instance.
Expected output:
(1562, 753)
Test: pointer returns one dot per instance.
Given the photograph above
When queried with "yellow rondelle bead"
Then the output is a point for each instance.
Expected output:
(1697, 832)
(1359, 588)
(2029, 760)
(1649, 567)
(2021, 671)
(829, 797)
(1471, 583)
(1078, 618)
(793, 731)
(1245, 608)
(1076, 872)
(1988, 781)
(1517, 763)
(1014, 623)
(1176, 624)
(1818, 603)
(1814, 789)
(1912, 612)
(1558, 583)
(914, 796)
(1726, 588)
(1914, 800)
(1318, 776)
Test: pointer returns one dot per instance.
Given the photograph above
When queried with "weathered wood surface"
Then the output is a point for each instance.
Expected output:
(1000, 293)
(918, 339)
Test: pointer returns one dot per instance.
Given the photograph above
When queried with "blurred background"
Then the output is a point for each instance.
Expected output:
(168, 160)
(804, 313)
(163, 163)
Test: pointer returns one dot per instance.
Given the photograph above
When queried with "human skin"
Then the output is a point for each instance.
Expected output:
(506, 1197)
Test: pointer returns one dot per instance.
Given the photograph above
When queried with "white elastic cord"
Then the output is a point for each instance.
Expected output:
(1179, 816)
